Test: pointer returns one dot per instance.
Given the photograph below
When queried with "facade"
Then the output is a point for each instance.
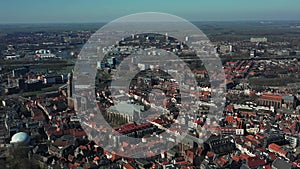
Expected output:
(69, 91)
(289, 102)
(33, 85)
(220, 145)
(129, 111)
(270, 100)
(277, 149)
(53, 79)
(44, 54)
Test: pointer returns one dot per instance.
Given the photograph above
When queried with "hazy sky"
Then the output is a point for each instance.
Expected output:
(52, 11)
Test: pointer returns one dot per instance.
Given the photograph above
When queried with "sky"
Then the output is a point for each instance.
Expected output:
(77, 11)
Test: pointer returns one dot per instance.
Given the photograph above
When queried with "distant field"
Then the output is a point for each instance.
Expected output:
(244, 30)
(260, 82)
(53, 65)
(208, 27)
(55, 27)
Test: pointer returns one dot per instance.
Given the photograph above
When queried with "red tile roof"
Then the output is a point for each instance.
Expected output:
(235, 158)
(272, 156)
(128, 166)
(253, 162)
(277, 149)
(222, 161)
(244, 156)
(271, 97)
(210, 154)
(267, 166)
(230, 108)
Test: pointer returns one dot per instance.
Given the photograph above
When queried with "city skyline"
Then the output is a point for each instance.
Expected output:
(216, 84)
(33, 11)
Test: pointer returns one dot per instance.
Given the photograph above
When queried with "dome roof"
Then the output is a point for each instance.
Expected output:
(20, 138)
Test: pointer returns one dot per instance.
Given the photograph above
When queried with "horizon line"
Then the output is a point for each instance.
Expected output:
(101, 22)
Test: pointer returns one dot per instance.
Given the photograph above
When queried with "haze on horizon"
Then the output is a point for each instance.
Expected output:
(77, 11)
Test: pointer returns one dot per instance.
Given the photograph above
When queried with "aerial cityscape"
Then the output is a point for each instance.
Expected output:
(156, 92)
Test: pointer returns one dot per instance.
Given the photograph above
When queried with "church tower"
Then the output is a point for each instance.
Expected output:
(69, 92)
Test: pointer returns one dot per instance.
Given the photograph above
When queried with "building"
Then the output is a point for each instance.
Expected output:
(232, 131)
(130, 111)
(279, 163)
(289, 102)
(112, 62)
(100, 65)
(20, 138)
(44, 54)
(252, 53)
(11, 57)
(33, 85)
(274, 138)
(293, 141)
(270, 100)
(220, 145)
(277, 149)
(53, 79)
(11, 90)
(69, 91)
(256, 40)
(19, 72)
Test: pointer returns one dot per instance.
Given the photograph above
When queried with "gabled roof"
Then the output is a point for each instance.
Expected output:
(253, 162)
(271, 97)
